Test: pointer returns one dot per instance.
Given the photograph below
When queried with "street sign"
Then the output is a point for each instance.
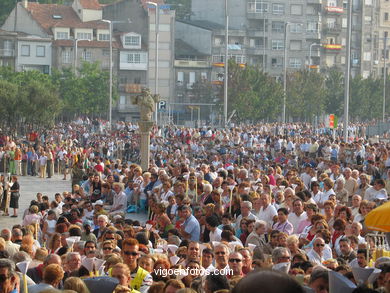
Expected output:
(162, 106)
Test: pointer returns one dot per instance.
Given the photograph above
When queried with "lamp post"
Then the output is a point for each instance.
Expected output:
(156, 54)
(310, 50)
(225, 84)
(384, 78)
(110, 64)
(347, 71)
(285, 73)
(75, 54)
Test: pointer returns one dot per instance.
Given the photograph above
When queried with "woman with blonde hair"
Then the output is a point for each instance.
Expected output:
(76, 284)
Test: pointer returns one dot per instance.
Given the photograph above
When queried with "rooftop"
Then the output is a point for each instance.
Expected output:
(64, 16)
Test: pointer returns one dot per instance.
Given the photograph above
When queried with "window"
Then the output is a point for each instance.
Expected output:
(332, 3)
(191, 78)
(106, 52)
(367, 56)
(218, 58)
(104, 37)
(136, 58)
(386, 16)
(87, 56)
(296, 9)
(257, 7)
(66, 57)
(295, 63)
(180, 77)
(276, 62)
(277, 26)
(203, 75)
(240, 59)
(278, 8)
(40, 51)
(132, 41)
(84, 36)
(277, 45)
(62, 35)
(296, 27)
(344, 22)
(25, 50)
(8, 48)
(312, 27)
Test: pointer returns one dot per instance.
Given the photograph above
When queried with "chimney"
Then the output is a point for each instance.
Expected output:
(25, 3)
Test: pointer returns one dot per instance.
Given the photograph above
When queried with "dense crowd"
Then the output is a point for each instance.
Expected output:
(270, 208)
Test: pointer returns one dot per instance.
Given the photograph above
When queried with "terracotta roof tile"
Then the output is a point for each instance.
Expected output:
(90, 4)
(43, 14)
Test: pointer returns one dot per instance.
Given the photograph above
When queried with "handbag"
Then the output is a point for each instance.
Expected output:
(132, 209)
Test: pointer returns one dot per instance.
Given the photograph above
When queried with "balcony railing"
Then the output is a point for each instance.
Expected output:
(192, 63)
(7, 52)
(333, 47)
(127, 108)
(334, 9)
(332, 29)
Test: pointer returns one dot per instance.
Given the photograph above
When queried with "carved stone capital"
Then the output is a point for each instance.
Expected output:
(145, 126)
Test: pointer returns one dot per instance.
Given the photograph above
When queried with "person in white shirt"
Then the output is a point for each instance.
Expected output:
(246, 207)
(376, 192)
(297, 215)
(207, 260)
(267, 212)
(316, 254)
(212, 226)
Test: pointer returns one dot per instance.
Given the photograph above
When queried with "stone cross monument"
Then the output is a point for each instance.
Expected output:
(146, 103)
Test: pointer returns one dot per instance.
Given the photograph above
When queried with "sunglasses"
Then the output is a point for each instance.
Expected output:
(235, 260)
(133, 253)
(320, 245)
(107, 248)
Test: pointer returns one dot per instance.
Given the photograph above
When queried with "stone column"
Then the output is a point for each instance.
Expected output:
(144, 128)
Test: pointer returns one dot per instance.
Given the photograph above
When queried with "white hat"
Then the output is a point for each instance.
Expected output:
(98, 202)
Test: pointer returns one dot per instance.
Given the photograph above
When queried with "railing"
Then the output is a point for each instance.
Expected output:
(334, 9)
(131, 88)
(127, 107)
(7, 52)
(332, 28)
(192, 63)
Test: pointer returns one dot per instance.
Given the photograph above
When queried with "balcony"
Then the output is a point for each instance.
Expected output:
(334, 9)
(131, 88)
(221, 64)
(252, 32)
(332, 47)
(332, 29)
(257, 50)
(7, 52)
(192, 64)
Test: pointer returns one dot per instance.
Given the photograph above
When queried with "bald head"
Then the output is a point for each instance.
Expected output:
(52, 259)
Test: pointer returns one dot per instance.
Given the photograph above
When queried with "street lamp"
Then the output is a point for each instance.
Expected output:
(110, 64)
(156, 54)
(384, 77)
(310, 50)
(225, 84)
(285, 73)
(348, 70)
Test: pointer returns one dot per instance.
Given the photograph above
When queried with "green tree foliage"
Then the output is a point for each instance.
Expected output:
(305, 95)
(334, 98)
(86, 93)
(252, 93)
(32, 99)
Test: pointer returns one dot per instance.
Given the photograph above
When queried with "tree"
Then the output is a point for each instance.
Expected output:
(9, 104)
(305, 94)
(334, 97)
(86, 93)
(252, 93)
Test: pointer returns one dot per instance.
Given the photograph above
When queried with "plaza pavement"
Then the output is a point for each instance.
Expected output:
(30, 186)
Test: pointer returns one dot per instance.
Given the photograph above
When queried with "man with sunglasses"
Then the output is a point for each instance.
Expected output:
(235, 265)
(316, 254)
(141, 280)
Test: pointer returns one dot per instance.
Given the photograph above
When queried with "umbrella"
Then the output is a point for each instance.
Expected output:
(379, 219)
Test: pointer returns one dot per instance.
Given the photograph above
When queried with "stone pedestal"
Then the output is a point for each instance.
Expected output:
(144, 130)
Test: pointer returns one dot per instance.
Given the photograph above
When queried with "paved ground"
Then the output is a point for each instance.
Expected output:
(30, 186)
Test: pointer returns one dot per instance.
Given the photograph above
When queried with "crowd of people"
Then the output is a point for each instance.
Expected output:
(271, 208)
